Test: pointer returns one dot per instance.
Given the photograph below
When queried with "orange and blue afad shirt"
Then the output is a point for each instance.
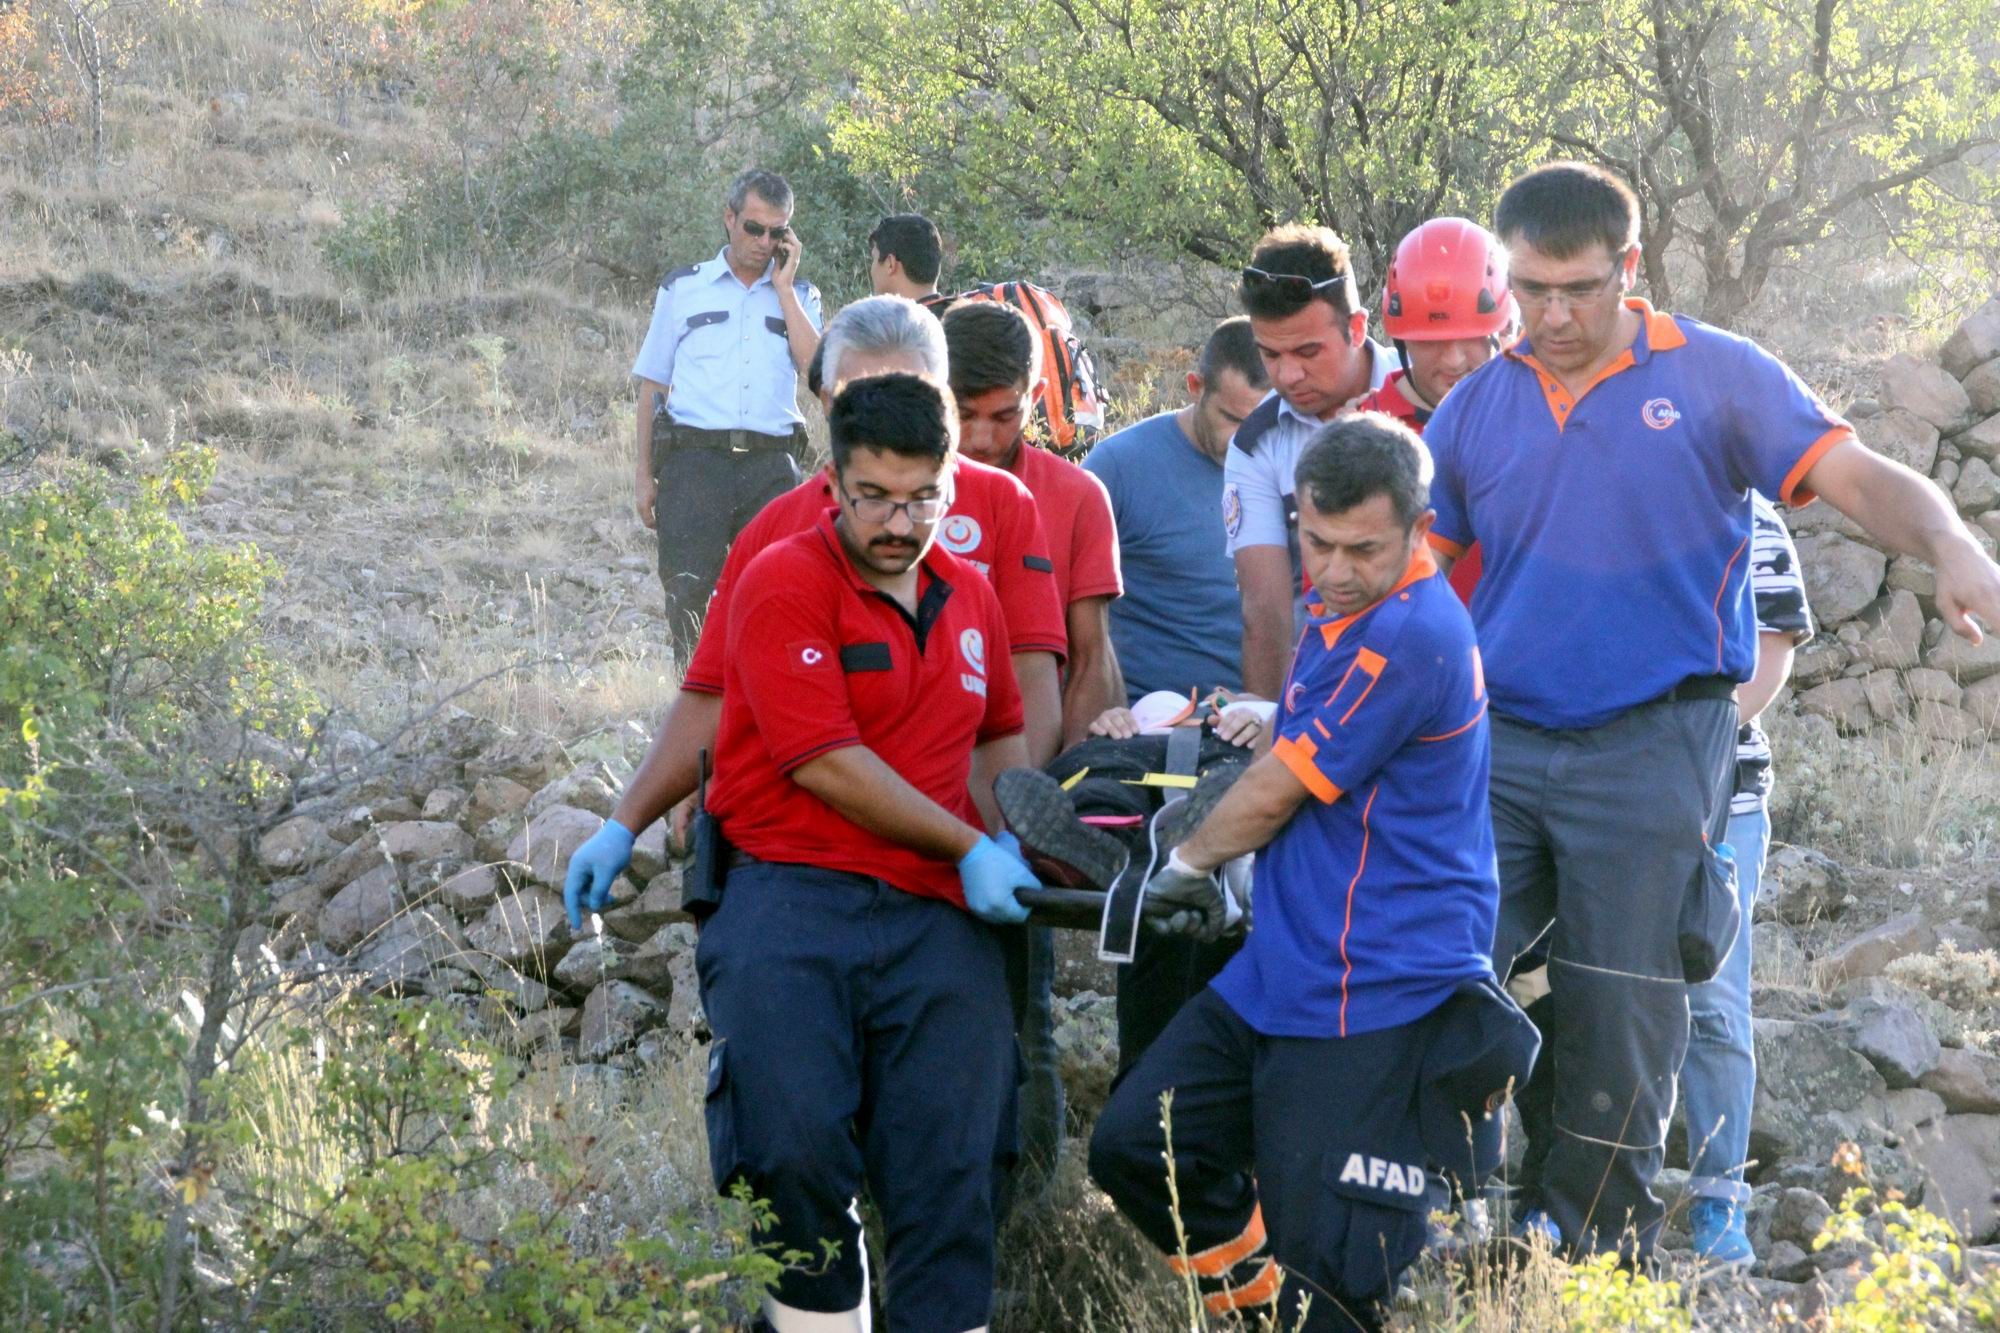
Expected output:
(1616, 525)
(1378, 898)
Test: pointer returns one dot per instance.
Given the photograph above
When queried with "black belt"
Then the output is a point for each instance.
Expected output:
(1699, 687)
(695, 437)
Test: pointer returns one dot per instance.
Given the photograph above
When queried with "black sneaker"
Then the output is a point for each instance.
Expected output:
(1060, 848)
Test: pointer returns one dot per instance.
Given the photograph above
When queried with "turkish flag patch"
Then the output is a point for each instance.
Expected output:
(810, 655)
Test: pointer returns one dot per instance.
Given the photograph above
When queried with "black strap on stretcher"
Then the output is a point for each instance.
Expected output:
(1118, 931)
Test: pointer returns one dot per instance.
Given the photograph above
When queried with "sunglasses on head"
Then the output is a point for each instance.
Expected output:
(756, 230)
(1291, 284)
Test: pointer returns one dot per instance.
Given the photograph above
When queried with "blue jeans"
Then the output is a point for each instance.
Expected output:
(1720, 1075)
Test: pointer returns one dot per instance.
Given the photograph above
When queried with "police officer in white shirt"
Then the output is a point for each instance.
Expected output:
(720, 431)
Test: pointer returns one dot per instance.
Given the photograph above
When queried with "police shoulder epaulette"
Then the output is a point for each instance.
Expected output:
(685, 271)
(800, 284)
(1257, 425)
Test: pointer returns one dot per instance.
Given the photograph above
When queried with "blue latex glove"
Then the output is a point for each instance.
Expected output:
(594, 868)
(990, 873)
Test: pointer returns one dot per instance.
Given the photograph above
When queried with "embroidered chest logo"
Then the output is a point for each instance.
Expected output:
(1659, 413)
(960, 534)
(972, 647)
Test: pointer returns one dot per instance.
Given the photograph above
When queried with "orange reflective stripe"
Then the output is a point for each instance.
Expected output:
(1421, 566)
(1259, 1290)
(1793, 492)
(1458, 731)
(1372, 663)
(1445, 544)
(1219, 1259)
(1347, 925)
(1720, 589)
(1297, 755)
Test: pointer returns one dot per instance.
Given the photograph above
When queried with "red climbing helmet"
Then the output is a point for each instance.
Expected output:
(1448, 280)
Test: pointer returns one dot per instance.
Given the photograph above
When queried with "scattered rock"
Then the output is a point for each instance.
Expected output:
(589, 786)
(444, 803)
(1892, 631)
(494, 797)
(1894, 1038)
(1983, 440)
(1928, 685)
(1960, 1157)
(299, 841)
(1929, 391)
(1981, 702)
(1868, 953)
(1904, 436)
(1842, 576)
(1813, 1092)
(1798, 1217)
(408, 946)
(613, 1017)
(1978, 488)
(527, 758)
(295, 897)
(1911, 1109)
(1801, 886)
(1952, 726)
(1787, 1262)
(524, 993)
(1820, 661)
(1912, 576)
(526, 927)
(1964, 662)
(545, 845)
(1843, 702)
(649, 852)
(1967, 1081)
(600, 958)
(545, 1027)
(1888, 701)
(425, 840)
(1975, 342)
(1776, 954)
(472, 889)
(656, 907)
(360, 909)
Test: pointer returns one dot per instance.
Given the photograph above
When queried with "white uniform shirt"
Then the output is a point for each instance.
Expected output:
(722, 349)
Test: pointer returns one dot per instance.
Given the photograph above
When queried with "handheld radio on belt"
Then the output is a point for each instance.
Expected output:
(701, 890)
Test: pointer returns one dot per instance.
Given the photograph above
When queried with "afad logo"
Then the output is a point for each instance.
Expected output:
(1292, 693)
(972, 647)
(1659, 413)
(960, 534)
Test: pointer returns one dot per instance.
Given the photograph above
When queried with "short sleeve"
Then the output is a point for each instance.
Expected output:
(656, 355)
(1094, 570)
(1451, 532)
(1253, 502)
(809, 301)
(1004, 716)
(1353, 714)
(1776, 581)
(1024, 580)
(784, 653)
(1779, 428)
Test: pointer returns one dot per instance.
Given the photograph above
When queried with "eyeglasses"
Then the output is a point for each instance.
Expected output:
(756, 230)
(874, 509)
(1291, 284)
(1537, 295)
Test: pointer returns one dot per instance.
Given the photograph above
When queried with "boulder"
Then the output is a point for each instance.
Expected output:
(1960, 1158)
(1842, 576)
(644, 916)
(409, 945)
(1981, 702)
(425, 840)
(589, 786)
(1813, 1092)
(1945, 474)
(1927, 390)
(295, 897)
(1843, 702)
(1776, 957)
(360, 909)
(1904, 436)
(675, 942)
(1962, 661)
(1911, 1109)
(444, 803)
(527, 758)
(1989, 523)
(1968, 1081)
(1929, 685)
(1912, 575)
(1949, 726)
(1887, 699)
(1867, 954)
(649, 852)
(1974, 342)
(1800, 886)
(1798, 1216)
(298, 842)
(1788, 1263)
(600, 958)
(523, 993)
(1820, 661)
(1978, 487)
(1982, 441)
(545, 845)
(526, 927)
(355, 860)
(493, 797)
(472, 889)
(1982, 386)
(492, 839)
(544, 1027)
(1892, 631)
(1893, 1038)
(614, 1016)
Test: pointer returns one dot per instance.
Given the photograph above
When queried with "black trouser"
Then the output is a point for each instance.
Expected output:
(1600, 832)
(1289, 1136)
(1166, 972)
(708, 492)
(861, 1035)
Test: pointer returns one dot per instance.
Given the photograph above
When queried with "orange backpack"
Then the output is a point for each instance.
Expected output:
(1072, 404)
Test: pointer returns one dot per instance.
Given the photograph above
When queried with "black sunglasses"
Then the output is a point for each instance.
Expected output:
(1291, 284)
(756, 230)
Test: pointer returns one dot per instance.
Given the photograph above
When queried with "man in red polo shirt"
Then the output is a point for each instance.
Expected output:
(869, 337)
(996, 362)
(1606, 464)
(1447, 308)
(855, 989)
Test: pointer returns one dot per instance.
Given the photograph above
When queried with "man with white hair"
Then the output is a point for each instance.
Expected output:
(992, 524)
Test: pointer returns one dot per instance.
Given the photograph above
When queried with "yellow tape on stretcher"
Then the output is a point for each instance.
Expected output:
(1162, 780)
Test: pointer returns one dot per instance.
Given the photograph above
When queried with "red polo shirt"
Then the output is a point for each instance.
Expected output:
(1391, 399)
(817, 660)
(1076, 514)
(993, 526)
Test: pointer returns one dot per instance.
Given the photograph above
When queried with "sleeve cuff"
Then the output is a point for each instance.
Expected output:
(813, 752)
(1297, 755)
(701, 685)
(1793, 492)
